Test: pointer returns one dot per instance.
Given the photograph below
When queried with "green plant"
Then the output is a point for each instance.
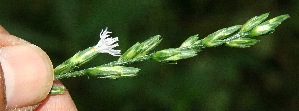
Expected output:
(239, 36)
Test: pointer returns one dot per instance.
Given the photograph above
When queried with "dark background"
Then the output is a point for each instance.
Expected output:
(261, 78)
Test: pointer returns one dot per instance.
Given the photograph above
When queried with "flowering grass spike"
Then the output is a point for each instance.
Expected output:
(238, 36)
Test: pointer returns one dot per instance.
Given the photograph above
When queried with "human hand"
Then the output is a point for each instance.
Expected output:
(26, 77)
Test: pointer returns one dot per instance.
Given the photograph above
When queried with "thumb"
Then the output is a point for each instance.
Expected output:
(26, 72)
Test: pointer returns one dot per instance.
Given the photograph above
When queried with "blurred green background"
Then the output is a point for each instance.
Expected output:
(261, 78)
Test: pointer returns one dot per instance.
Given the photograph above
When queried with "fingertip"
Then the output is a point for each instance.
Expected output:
(2, 30)
(60, 102)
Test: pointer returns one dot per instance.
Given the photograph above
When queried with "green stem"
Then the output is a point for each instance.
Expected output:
(236, 36)
(70, 74)
(111, 72)
(125, 62)
(57, 89)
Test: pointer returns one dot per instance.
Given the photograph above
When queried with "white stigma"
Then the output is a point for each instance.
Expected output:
(106, 45)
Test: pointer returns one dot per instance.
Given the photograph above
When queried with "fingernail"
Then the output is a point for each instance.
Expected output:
(28, 74)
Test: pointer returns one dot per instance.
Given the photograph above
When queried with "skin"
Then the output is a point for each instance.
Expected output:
(26, 77)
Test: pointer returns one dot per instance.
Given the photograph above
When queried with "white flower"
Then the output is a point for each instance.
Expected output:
(106, 45)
